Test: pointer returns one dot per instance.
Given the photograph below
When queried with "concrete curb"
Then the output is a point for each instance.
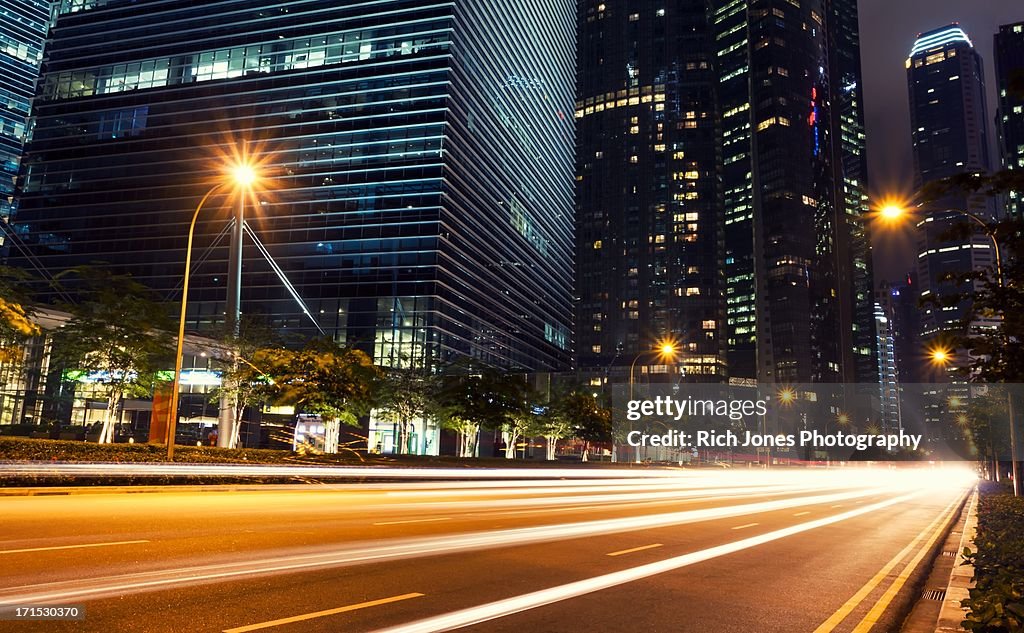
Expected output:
(961, 579)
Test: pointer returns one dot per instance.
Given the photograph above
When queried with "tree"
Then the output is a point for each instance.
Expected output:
(243, 382)
(554, 425)
(117, 336)
(336, 383)
(521, 420)
(16, 324)
(404, 394)
(590, 421)
(987, 426)
(997, 355)
(468, 402)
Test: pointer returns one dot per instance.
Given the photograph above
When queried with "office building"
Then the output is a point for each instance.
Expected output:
(949, 124)
(23, 27)
(649, 226)
(798, 289)
(723, 136)
(419, 153)
(888, 374)
(1009, 52)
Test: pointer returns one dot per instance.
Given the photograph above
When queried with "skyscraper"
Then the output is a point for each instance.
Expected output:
(949, 125)
(724, 135)
(421, 154)
(1009, 50)
(798, 274)
(23, 26)
(648, 213)
(888, 374)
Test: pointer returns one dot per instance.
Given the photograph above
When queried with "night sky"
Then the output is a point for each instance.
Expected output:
(888, 29)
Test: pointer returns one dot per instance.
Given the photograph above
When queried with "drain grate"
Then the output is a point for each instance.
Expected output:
(949, 554)
(935, 594)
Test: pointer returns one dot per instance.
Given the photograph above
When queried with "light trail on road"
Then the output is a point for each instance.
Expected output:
(396, 549)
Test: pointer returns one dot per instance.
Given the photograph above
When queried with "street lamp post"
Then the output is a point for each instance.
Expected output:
(666, 350)
(243, 176)
(893, 212)
(175, 386)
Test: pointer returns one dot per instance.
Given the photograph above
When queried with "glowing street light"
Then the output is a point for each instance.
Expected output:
(666, 350)
(243, 175)
(787, 396)
(892, 212)
(940, 356)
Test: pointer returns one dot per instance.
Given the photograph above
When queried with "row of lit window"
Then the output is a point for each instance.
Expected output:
(233, 62)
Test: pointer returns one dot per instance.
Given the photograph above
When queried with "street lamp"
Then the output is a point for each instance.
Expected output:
(942, 357)
(894, 212)
(243, 176)
(666, 350)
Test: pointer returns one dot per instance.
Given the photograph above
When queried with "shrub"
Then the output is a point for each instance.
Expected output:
(996, 603)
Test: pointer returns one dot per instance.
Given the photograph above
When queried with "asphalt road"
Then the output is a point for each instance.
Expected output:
(746, 551)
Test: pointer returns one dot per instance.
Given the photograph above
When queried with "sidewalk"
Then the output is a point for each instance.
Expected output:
(960, 581)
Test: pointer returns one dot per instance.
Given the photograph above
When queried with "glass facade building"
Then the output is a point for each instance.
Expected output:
(722, 183)
(798, 284)
(23, 27)
(949, 129)
(1009, 50)
(420, 155)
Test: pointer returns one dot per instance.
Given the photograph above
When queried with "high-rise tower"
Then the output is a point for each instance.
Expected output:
(649, 223)
(1009, 50)
(23, 27)
(949, 124)
(797, 262)
(724, 134)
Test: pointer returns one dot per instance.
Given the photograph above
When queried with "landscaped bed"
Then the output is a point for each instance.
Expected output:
(19, 449)
(996, 603)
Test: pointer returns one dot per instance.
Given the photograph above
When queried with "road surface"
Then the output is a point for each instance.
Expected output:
(698, 551)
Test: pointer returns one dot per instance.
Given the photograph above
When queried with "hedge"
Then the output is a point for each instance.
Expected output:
(996, 603)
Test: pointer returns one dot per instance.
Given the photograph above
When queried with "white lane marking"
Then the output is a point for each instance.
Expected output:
(838, 505)
(46, 549)
(800, 514)
(509, 606)
(413, 521)
(394, 549)
(745, 526)
(633, 549)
